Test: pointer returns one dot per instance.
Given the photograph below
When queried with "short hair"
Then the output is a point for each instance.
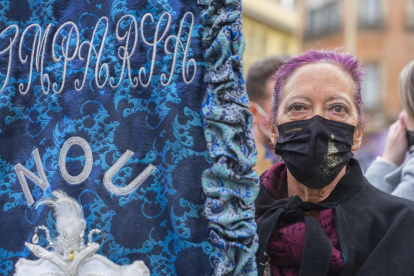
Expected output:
(259, 74)
(406, 88)
(345, 61)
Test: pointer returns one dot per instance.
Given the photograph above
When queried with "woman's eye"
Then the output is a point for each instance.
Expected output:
(339, 109)
(296, 107)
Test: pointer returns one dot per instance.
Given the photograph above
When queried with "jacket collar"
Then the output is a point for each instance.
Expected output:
(274, 181)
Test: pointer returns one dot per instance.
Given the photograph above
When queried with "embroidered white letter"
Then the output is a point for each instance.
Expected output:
(65, 51)
(38, 49)
(88, 160)
(104, 66)
(185, 65)
(123, 50)
(41, 180)
(9, 48)
(154, 43)
(134, 183)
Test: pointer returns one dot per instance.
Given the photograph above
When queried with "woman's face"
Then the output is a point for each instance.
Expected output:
(319, 89)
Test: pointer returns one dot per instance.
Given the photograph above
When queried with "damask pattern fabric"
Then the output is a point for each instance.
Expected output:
(137, 109)
(83, 86)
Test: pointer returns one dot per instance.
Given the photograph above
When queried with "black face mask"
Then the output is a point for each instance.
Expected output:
(315, 150)
(410, 140)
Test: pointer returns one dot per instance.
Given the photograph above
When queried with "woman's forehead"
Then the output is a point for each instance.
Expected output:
(319, 77)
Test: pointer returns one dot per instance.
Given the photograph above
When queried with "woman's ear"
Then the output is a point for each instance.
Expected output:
(275, 134)
(254, 111)
(358, 138)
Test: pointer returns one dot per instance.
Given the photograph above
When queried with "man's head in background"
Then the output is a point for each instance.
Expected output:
(259, 87)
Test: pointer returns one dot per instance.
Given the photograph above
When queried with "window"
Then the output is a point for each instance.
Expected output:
(323, 19)
(370, 87)
(371, 14)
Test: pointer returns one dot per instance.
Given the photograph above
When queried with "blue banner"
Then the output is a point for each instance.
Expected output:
(137, 110)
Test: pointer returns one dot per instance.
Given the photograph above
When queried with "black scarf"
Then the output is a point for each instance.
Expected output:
(318, 248)
(375, 229)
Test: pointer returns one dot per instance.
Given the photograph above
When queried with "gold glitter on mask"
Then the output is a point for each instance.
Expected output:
(331, 159)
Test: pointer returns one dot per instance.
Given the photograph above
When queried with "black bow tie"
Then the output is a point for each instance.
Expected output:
(318, 248)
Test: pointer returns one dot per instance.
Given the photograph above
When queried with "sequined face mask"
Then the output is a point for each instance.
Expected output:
(315, 150)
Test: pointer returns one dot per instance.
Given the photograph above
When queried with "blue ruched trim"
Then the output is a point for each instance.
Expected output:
(230, 185)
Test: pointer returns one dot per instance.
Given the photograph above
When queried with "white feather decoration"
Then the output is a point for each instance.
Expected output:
(69, 217)
(70, 255)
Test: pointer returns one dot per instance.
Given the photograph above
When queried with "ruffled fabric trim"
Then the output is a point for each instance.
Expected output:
(230, 184)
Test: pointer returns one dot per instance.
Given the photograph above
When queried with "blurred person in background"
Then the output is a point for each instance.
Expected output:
(259, 87)
(393, 172)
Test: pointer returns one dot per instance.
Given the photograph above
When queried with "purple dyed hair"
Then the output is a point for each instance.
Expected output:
(347, 62)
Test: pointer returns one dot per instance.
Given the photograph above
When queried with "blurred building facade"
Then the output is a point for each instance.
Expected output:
(379, 32)
(270, 27)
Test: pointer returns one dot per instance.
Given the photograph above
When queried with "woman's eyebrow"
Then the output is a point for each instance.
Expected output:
(299, 97)
(331, 98)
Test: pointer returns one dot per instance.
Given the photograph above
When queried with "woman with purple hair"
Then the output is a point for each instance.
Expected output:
(316, 212)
